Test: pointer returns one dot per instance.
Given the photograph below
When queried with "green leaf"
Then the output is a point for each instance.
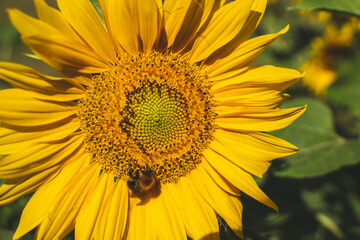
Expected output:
(8, 38)
(347, 7)
(6, 234)
(321, 149)
(345, 91)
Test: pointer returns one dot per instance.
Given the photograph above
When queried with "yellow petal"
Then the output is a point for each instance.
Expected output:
(12, 140)
(256, 146)
(104, 6)
(83, 18)
(122, 25)
(12, 189)
(84, 80)
(90, 209)
(223, 183)
(199, 218)
(240, 158)
(148, 23)
(267, 120)
(17, 100)
(59, 51)
(223, 27)
(256, 13)
(174, 14)
(38, 205)
(225, 76)
(227, 206)
(238, 177)
(28, 79)
(54, 18)
(61, 214)
(141, 215)
(196, 15)
(65, 56)
(113, 215)
(160, 6)
(248, 98)
(17, 108)
(135, 24)
(39, 157)
(253, 20)
(242, 56)
(168, 224)
(267, 76)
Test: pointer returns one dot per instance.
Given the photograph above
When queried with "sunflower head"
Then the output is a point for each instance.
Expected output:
(158, 123)
(151, 112)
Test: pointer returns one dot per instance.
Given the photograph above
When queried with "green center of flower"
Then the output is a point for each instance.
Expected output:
(151, 117)
(156, 117)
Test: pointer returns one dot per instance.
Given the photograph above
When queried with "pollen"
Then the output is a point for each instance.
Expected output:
(151, 112)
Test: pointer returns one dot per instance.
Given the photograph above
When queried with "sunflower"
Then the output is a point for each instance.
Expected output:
(321, 67)
(155, 129)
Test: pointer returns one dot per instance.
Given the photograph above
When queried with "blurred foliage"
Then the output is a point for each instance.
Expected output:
(318, 196)
(322, 150)
(346, 90)
(346, 7)
(317, 189)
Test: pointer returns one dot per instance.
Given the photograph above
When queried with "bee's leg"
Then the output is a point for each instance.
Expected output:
(131, 172)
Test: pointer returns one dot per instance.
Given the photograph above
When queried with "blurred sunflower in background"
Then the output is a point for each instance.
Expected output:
(157, 126)
(326, 50)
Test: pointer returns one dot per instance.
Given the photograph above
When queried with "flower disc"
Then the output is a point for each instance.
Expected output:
(153, 112)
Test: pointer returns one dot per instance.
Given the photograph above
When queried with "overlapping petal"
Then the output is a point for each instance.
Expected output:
(18, 108)
(134, 24)
(61, 215)
(167, 224)
(199, 224)
(257, 76)
(256, 12)
(242, 56)
(223, 27)
(82, 16)
(156, 223)
(240, 158)
(222, 182)
(91, 208)
(11, 140)
(227, 206)
(37, 207)
(54, 18)
(15, 188)
(39, 157)
(249, 98)
(250, 151)
(139, 215)
(237, 176)
(39, 85)
(183, 19)
(65, 54)
(256, 146)
(264, 121)
(113, 215)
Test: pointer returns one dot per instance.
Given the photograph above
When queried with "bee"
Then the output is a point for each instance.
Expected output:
(141, 181)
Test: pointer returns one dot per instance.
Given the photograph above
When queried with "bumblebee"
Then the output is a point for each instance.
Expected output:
(141, 181)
